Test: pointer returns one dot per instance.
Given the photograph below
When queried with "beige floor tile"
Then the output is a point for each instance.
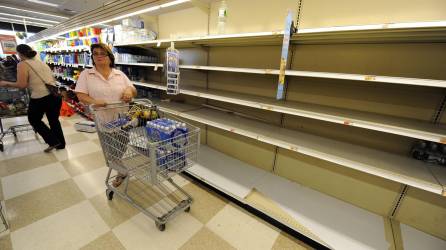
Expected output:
(21, 148)
(92, 183)
(76, 150)
(144, 195)
(91, 136)
(113, 212)
(206, 239)
(242, 230)
(27, 162)
(69, 130)
(30, 207)
(65, 123)
(206, 204)
(30, 180)
(75, 138)
(5, 242)
(96, 141)
(140, 232)
(107, 241)
(84, 163)
(71, 228)
(287, 242)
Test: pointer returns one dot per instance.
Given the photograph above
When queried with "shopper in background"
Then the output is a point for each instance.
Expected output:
(103, 84)
(33, 74)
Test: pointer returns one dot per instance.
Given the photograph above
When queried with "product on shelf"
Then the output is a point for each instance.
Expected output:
(133, 55)
(173, 71)
(431, 152)
(132, 30)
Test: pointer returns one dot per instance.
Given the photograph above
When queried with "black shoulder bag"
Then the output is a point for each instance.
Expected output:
(52, 88)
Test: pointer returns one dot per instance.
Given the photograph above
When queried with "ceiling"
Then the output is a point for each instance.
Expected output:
(15, 10)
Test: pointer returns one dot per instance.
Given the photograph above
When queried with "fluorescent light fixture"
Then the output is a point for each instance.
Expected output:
(342, 28)
(31, 18)
(18, 21)
(31, 11)
(44, 3)
(165, 5)
(376, 26)
(418, 24)
(149, 9)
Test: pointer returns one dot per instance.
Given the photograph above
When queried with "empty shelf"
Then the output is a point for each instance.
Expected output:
(384, 123)
(386, 165)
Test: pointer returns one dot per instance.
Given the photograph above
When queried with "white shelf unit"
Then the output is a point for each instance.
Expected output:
(389, 166)
(383, 123)
(68, 49)
(71, 65)
(403, 32)
(299, 73)
(155, 65)
(311, 209)
(269, 37)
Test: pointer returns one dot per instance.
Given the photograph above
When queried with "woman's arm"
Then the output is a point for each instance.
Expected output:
(22, 78)
(87, 100)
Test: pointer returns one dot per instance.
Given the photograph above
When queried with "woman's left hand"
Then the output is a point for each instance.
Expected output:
(127, 95)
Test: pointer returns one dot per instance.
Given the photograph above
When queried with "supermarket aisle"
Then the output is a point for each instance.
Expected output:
(57, 201)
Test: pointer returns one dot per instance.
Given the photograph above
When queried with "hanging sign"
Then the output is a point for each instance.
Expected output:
(8, 44)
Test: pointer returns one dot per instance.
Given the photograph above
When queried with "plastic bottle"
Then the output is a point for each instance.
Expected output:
(222, 16)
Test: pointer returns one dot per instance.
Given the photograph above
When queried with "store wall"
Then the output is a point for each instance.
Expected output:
(425, 211)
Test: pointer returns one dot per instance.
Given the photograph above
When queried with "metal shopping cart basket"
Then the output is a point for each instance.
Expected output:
(13, 103)
(149, 154)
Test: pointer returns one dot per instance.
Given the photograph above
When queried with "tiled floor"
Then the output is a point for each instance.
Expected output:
(57, 201)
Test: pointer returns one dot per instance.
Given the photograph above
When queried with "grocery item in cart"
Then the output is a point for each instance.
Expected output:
(164, 129)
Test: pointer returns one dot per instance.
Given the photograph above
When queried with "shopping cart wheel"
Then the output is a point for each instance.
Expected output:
(160, 226)
(109, 194)
(187, 210)
(1, 147)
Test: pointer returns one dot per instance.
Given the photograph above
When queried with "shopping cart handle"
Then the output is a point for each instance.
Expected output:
(145, 101)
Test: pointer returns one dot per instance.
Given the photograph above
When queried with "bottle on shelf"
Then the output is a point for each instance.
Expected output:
(222, 16)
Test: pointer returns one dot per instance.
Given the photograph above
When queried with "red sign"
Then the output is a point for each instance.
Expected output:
(8, 44)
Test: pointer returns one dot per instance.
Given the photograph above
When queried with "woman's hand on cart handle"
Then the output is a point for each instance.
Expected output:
(99, 103)
(128, 94)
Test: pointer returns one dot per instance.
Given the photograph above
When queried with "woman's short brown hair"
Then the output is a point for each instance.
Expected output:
(106, 49)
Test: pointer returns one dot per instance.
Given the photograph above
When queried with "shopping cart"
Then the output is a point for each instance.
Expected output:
(149, 160)
(13, 103)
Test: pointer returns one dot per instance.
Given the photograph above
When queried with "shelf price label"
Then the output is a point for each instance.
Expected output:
(370, 78)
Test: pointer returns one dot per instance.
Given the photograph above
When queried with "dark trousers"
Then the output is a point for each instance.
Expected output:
(50, 106)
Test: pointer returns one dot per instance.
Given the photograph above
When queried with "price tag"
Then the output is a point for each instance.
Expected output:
(370, 78)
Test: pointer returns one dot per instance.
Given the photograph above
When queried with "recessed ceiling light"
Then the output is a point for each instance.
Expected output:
(44, 3)
(31, 11)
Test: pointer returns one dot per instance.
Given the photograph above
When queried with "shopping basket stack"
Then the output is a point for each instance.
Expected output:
(150, 148)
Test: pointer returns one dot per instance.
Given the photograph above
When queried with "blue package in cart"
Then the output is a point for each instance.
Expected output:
(117, 123)
(171, 153)
(164, 129)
